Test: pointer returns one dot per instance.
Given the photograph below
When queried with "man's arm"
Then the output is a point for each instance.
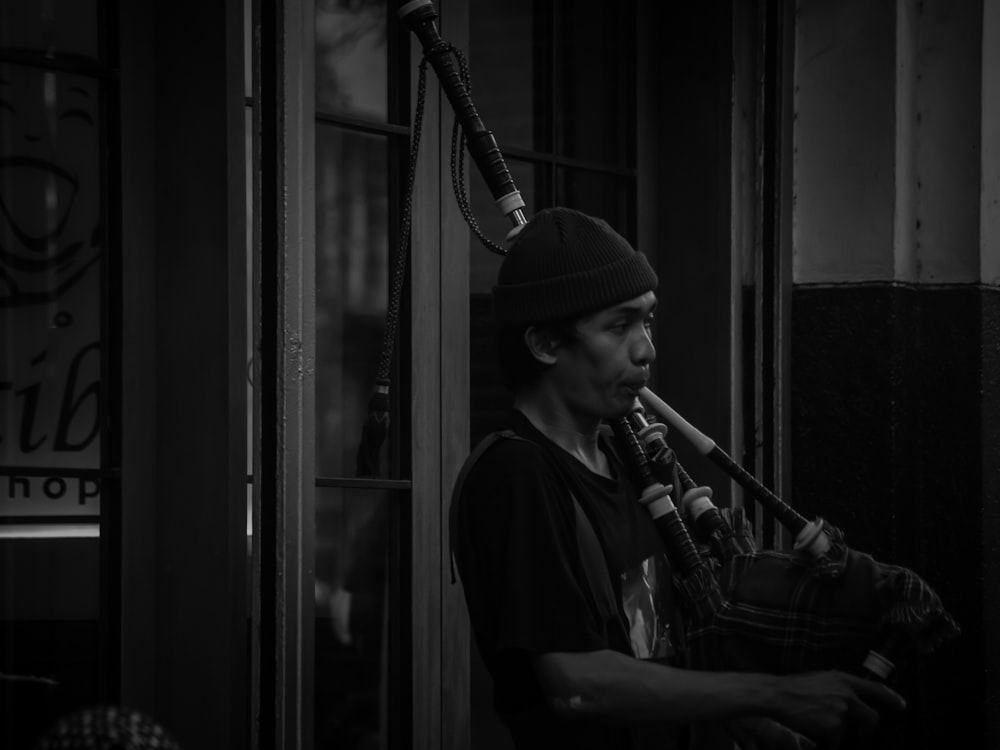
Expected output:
(822, 706)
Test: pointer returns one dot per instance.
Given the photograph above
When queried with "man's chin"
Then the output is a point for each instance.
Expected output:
(619, 410)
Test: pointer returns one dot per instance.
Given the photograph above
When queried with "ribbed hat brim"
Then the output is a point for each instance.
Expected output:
(573, 295)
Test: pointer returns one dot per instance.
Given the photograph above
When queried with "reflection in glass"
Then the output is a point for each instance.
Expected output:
(352, 240)
(248, 162)
(248, 49)
(508, 50)
(351, 57)
(53, 575)
(51, 242)
(593, 80)
(604, 196)
(54, 27)
(356, 603)
(483, 264)
(555, 77)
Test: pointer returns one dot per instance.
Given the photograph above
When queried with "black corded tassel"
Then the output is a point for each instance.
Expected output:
(374, 431)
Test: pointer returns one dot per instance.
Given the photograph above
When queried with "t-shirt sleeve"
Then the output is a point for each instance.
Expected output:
(521, 535)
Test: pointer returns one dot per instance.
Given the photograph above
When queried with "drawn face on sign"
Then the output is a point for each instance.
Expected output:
(51, 212)
(50, 178)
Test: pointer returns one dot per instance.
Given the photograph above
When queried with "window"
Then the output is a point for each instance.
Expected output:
(59, 462)
(555, 82)
(361, 144)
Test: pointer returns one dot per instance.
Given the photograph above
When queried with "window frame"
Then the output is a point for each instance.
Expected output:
(284, 546)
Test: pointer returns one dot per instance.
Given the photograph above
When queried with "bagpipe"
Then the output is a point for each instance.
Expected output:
(821, 605)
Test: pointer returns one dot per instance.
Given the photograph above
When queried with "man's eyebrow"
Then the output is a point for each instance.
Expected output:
(79, 90)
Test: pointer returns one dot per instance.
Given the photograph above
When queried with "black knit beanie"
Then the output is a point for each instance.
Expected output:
(565, 264)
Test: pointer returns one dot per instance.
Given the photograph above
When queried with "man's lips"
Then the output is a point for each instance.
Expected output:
(635, 385)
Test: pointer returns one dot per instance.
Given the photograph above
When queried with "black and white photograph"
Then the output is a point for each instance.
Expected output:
(499, 375)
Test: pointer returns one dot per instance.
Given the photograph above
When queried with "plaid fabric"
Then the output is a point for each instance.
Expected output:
(784, 613)
(106, 728)
(701, 596)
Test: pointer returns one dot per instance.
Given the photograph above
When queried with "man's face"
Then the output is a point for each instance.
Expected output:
(600, 374)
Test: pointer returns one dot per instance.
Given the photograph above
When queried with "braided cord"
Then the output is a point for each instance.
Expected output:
(461, 196)
(458, 163)
(399, 271)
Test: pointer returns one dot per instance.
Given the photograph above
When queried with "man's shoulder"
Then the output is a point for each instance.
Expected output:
(505, 482)
(509, 451)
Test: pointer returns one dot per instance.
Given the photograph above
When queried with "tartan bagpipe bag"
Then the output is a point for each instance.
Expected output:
(787, 612)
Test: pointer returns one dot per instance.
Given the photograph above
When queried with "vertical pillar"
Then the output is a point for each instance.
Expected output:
(138, 597)
(892, 361)
(184, 609)
(284, 375)
(843, 142)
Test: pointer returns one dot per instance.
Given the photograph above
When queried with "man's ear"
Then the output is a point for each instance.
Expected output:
(542, 344)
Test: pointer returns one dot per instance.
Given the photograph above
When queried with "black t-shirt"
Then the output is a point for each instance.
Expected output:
(518, 556)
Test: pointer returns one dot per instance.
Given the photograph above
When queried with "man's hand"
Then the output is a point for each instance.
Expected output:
(833, 709)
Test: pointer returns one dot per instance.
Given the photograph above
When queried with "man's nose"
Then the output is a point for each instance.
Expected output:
(644, 352)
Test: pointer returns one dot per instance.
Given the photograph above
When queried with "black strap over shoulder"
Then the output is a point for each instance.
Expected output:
(595, 566)
(463, 474)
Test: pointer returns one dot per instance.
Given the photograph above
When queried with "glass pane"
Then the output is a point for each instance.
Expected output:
(248, 162)
(352, 280)
(248, 49)
(351, 57)
(51, 242)
(55, 27)
(484, 264)
(509, 53)
(358, 617)
(594, 80)
(599, 195)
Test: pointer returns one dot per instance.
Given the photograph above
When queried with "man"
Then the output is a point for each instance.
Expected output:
(574, 304)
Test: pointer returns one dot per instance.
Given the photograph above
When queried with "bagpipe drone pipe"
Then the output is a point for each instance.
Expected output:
(821, 605)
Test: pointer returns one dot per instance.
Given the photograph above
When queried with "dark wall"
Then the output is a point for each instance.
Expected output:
(894, 421)
(184, 606)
